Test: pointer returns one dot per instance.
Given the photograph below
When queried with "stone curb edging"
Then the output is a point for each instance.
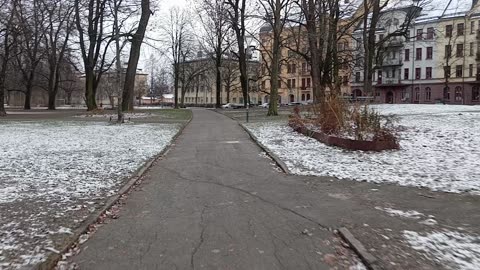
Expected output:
(368, 259)
(277, 160)
(344, 143)
(53, 258)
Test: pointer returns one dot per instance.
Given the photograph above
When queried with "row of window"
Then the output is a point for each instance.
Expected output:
(292, 83)
(427, 94)
(418, 73)
(430, 34)
(448, 52)
(292, 68)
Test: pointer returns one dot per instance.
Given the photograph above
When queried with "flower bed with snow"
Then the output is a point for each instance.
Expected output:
(439, 150)
(115, 116)
(54, 174)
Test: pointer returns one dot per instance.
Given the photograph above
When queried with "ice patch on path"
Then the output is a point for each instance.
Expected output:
(438, 151)
(453, 249)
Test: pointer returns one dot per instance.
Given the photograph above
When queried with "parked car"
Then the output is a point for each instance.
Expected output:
(294, 104)
(264, 105)
(227, 106)
(232, 106)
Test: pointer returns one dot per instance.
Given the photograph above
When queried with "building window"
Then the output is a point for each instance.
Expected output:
(418, 73)
(419, 34)
(448, 30)
(294, 68)
(289, 83)
(472, 49)
(263, 84)
(446, 71)
(458, 93)
(417, 93)
(459, 50)
(460, 29)
(428, 73)
(293, 83)
(470, 70)
(430, 33)
(357, 77)
(446, 93)
(308, 96)
(308, 82)
(407, 54)
(429, 52)
(428, 93)
(234, 100)
(418, 54)
(459, 71)
(448, 51)
(240, 100)
(405, 74)
(303, 97)
(475, 93)
(472, 27)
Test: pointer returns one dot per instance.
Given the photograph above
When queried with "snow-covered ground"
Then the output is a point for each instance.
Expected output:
(453, 249)
(54, 174)
(439, 150)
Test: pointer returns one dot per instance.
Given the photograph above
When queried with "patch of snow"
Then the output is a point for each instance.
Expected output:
(400, 213)
(54, 174)
(439, 150)
(429, 222)
(358, 266)
(453, 249)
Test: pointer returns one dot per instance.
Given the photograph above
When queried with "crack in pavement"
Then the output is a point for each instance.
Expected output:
(252, 195)
(201, 240)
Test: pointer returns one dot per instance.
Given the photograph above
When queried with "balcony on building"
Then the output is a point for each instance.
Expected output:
(386, 82)
(391, 62)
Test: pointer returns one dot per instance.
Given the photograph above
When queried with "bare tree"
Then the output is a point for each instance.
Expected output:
(8, 39)
(277, 14)
(90, 20)
(237, 13)
(230, 74)
(135, 47)
(177, 29)
(58, 28)
(214, 17)
(30, 25)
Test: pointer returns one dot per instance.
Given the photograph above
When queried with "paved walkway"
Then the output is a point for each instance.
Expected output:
(200, 208)
(216, 202)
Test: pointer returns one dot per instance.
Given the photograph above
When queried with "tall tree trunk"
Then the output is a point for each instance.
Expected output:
(218, 79)
(176, 82)
(52, 95)
(128, 90)
(90, 91)
(28, 96)
(227, 89)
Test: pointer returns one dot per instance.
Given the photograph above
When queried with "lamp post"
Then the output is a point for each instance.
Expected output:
(248, 98)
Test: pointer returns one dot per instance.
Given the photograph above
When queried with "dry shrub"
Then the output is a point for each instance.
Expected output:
(339, 118)
(332, 115)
